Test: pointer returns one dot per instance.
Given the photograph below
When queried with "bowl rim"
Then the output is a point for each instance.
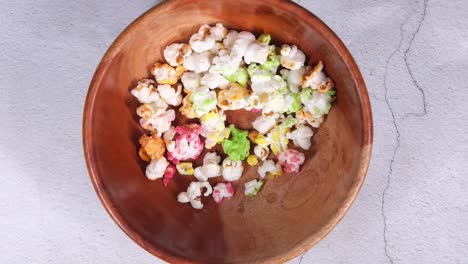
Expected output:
(299, 248)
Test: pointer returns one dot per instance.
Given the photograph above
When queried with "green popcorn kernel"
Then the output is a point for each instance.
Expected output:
(256, 189)
(288, 122)
(237, 147)
(257, 74)
(272, 63)
(253, 67)
(306, 94)
(240, 76)
(331, 95)
(265, 38)
(296, 104)
(316, 110)
(202, 103)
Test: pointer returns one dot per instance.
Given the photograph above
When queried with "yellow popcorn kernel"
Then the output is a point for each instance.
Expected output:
(252, 160)
(185, 168)
(273, 174)
(261, 140)
(275, 148)
(279, 142)
(209, 116)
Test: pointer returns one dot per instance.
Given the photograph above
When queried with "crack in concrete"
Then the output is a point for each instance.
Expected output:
(410, 71)
(387, 101)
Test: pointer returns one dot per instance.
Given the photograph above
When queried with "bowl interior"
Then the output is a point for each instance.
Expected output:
(293, 211)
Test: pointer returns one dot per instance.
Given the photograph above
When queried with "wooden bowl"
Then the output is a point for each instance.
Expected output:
(293, 212)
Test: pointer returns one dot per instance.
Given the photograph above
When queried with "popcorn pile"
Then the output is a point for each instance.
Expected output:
(224, 70)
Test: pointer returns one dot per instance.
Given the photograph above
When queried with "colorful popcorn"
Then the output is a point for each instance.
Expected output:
(238, 145)
(291, 160)
(194, 193)
(188, 144)
(220, 71)
(253, 187)
(222, 190)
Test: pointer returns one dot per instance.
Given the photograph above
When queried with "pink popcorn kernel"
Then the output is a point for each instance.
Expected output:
(168, 174)
(229, 188)
(223, 190)
(190, 131)
(291, 160)
(188, 144)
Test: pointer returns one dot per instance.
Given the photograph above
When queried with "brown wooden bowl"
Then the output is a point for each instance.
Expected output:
(293, 212)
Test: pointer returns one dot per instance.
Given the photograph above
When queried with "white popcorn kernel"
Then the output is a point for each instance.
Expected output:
(233, 98)
(164, 74)
(230, 38)
(261, 152)
(156, 168)
(264, 123)
(255, 103)
(194, 193)
(171, 94)
(243, 40)
(190, 81)
(218, 46)
(301, 136)
(294, 78)
(210, 168)
(214, 80)
(168, 137)
(306, 117)
(202, 41)
(225, 64)
(232, 170)
(275, 102)
(291, 57)
(160, 123)
(145, 91)
(269, 167)
(317, 79)
(198, 62)
(176, 53)
(152, 109)
(213, 122)
(256, 52)
(218, 32)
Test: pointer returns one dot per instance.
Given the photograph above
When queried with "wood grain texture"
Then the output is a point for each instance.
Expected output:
(293, 212)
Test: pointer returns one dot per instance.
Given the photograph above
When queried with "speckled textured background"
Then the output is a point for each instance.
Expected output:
(413, 207)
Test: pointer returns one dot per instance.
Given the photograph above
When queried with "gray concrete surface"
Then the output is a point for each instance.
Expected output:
(413, 207)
